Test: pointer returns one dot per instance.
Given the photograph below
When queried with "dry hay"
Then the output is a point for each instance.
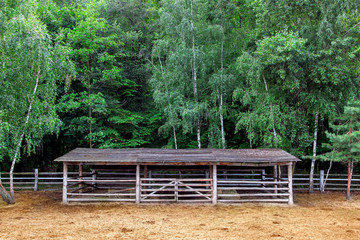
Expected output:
(42, 216)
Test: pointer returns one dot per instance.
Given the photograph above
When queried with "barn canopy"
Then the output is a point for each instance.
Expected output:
(148, 156)
(146, 175)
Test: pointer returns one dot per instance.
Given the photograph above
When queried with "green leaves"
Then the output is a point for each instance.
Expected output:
(345, 140)
(31, 66)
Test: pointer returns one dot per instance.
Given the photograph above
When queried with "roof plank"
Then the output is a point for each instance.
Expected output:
(172, 156)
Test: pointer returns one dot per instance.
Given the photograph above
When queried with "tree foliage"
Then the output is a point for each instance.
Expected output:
(175, 74)
(344, 140)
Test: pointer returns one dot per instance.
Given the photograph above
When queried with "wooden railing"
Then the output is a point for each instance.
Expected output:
(53, 180)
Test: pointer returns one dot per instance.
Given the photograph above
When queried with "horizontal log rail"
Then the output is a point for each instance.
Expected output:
(53, 180)
(101, 181)
(253, 182)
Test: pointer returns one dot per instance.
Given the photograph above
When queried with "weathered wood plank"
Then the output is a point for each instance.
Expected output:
(100, 200)
(138, 184)
(64, 196)
(290, 176)
(214, 185)
(102, 194)
(178, 155)
(253, 200)
(254, 182)
(255, 195)
(252, 188)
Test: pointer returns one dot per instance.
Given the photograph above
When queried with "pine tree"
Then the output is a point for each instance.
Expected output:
(345, 142)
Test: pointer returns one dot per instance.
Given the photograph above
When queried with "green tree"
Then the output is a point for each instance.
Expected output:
(31, 66)
(96, 107)
(345, 140)
(182, 24)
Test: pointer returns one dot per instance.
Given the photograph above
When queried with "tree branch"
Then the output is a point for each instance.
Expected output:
(348, 31)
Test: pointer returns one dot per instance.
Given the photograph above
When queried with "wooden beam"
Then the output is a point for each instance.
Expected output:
(290, 180)
(214, 182)
(65, 171)
(138, 184)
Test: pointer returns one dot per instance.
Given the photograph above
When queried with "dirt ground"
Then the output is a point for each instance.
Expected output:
(42, 216)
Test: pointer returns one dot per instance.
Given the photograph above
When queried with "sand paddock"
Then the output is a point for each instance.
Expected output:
(41, 215)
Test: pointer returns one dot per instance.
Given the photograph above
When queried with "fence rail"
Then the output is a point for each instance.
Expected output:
(53, 180)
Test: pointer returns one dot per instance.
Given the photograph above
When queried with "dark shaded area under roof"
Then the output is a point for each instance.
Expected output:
(150, 156)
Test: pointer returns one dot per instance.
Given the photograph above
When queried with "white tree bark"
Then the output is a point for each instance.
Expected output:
(198, 132)
(174, 135)
(327, 173)
(221, 95)
(17, 149)
(222, 123)
(312, 167)
(271, 113)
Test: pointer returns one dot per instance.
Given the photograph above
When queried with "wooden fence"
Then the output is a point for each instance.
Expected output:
(226, 181)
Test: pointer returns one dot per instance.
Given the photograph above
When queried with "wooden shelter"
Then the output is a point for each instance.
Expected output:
(183, 175)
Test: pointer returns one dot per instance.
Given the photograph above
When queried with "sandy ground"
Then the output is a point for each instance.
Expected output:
(42, 216)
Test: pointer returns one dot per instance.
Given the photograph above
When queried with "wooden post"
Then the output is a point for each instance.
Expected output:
(65, 172)
(80, 178)
(214, 182)
(176, 190)
(263, 177)
(290, 179)
(93, 177)
(275, 178)
(145, 171)
(322, 187)
(36, 179)
(138, 184)
(279, 172)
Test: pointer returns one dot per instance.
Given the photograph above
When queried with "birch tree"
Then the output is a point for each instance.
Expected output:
(182, 20)
(32, 65)
(220, 31)
(163, 85)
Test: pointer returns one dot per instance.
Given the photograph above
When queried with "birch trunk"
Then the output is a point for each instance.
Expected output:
(17, 150)
(271, 113)
(222, 123)
(312, 168)
(221, 95)
(327, 173)
(198, 133)
(175, 140)
(5, 195)
(90, 126)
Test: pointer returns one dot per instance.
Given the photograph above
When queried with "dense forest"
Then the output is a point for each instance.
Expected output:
(174, 74)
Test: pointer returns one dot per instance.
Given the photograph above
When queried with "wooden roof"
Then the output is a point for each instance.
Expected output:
(150, 156)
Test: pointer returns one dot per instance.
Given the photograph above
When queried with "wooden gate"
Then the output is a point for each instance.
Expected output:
(175, 190)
